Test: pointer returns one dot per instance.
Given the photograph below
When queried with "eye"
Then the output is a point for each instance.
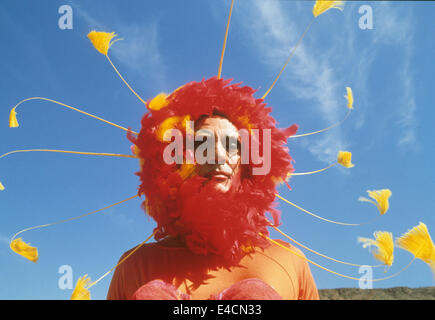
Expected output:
(202, 138)
(232, 144)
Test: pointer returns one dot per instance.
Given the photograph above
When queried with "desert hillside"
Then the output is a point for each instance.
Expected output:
(397, 293)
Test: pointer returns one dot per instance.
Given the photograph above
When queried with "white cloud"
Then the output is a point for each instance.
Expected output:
(319, 76)
(4, 239)
(395, 28)
(139, 49)
(310, 74)
(140, 52)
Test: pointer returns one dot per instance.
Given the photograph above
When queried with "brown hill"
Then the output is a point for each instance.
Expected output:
(397, 293)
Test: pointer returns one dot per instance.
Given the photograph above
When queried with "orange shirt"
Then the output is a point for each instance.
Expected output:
(288, 274)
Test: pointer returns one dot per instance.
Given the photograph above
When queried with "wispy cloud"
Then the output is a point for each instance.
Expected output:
(407, 110)
(4, 240)
(310, 75)
(395, 28)
(139, 49)
(318, 75)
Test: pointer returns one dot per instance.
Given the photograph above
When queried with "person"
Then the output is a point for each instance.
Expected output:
(210, 215)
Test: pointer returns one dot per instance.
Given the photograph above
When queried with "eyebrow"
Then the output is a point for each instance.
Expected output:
(204, 132)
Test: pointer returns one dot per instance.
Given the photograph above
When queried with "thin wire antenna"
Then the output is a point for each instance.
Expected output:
(72, 108)
(319, 131)
(225, 41)
(122, 78)
(120, 262)
(72, 152)
(71, 219)
(324, 219)
(288, 59)
(311, 172)
(320, 254)
(331, 271)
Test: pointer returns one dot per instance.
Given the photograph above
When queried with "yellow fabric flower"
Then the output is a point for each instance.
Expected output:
(381, 197)
(345, 159)
(13, 122)
(102, 41)
(419, 243)
(349, 98)
(158, 102)
(24, 249)
(81, 291)
(385, 246)
(322, 5)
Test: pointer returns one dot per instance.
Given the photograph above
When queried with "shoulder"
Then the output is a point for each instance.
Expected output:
(144, 256)
(136, 266)
(295, 262)
(135, 253)
(290, 257)
(286, 252)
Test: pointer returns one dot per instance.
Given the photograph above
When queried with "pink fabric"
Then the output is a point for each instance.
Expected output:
(159, 290)
(248, 289)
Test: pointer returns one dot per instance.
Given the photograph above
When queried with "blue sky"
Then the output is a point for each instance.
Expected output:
(168, 43)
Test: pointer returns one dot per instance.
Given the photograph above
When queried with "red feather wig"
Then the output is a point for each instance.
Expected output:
(225, 224)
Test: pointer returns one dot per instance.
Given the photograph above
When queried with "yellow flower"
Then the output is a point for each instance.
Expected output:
(381, 197)
(158, 102)
(24, 249)
(102, 41)
(349, 98)
(13, 123)
(385, 246)
(419, 243)
(1, 187)
(345, 159)
(81, 292)
(322, 5)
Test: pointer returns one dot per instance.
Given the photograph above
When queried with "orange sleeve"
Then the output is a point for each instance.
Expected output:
(297, 266)
(307, 286)
(117, 284)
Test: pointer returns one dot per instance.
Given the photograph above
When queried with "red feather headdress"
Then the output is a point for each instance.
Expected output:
(174, 194)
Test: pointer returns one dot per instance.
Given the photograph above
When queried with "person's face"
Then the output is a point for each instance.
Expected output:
(225, 169)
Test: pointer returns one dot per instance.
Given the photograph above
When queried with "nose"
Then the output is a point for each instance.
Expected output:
(219, 151)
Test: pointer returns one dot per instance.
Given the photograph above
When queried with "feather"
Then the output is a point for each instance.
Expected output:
(24, 249)
(158, 102)
(13, 122)
(323, 5)
(349, 97)
(81, 291)
(385, 246)
(102, 41)
(381, 199)
(419, 243)
(345, 159)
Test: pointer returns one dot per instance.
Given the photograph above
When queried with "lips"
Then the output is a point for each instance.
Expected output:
(219, 175)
